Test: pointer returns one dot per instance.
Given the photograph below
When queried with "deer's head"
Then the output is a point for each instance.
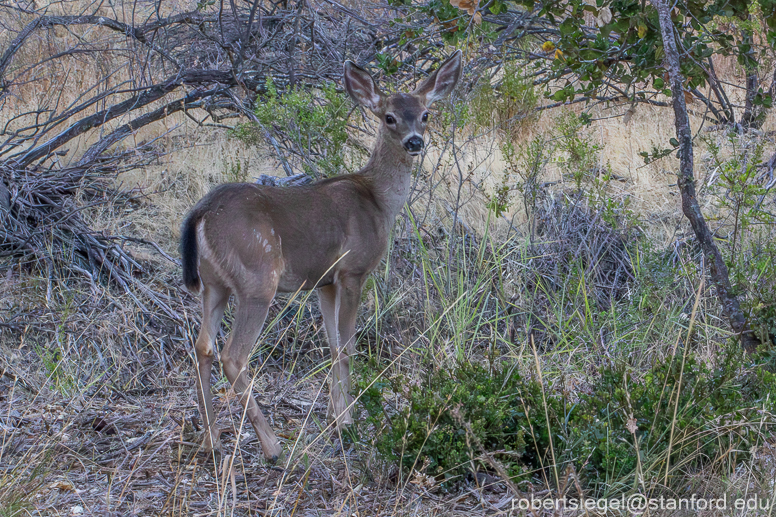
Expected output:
(403, 116)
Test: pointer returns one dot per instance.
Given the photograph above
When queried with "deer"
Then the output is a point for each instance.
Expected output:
(253, 241)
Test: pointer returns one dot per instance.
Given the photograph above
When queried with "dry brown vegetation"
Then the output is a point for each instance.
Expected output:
(97, 402)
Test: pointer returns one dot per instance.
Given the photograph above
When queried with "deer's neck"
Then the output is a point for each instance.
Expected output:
(389, 171)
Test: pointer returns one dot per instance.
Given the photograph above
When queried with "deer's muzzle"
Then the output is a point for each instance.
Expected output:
(414, 144)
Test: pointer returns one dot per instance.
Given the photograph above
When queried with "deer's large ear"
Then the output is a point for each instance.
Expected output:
(440, 83)
(362, 87)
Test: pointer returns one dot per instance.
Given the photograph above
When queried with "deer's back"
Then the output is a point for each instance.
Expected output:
(305, 234)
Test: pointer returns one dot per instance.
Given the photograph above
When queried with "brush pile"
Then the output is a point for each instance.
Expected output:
(570, 234)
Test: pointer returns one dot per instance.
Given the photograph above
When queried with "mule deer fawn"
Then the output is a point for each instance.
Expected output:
(253, 241)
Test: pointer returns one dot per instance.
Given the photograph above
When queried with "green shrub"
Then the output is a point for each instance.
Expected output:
(621, 430)
(741, 197)
(508, 105)
(631, 421)
(445, 422)
(754, 275)
(633, 416)
(580, 155)
(308, 126)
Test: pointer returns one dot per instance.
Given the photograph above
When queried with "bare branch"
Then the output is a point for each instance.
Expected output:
(191, 77)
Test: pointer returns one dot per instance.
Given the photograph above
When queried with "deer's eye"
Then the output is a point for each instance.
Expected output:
(425, 117)
(389, 119)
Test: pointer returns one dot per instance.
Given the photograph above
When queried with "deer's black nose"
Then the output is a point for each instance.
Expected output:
(414, 144)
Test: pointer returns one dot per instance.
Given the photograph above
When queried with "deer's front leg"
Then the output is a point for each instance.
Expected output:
(327, 298)
(339, 306)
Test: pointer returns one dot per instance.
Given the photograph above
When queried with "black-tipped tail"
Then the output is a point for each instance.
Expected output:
(189, 258)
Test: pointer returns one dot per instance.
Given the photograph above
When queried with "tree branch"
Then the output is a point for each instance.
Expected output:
(719, 271)
(101, 21)
(124, 131)
(156, 92)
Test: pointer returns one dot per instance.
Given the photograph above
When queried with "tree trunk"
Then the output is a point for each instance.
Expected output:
(753, 117)
(719, 272)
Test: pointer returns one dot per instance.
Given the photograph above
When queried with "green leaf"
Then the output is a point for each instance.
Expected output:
(498, 7)
(674, 142)
(568, 27)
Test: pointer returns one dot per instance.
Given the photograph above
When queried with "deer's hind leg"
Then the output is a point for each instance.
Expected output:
(248, 322)
(214, 300)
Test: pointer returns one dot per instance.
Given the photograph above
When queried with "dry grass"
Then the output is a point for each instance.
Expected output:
(130, 452)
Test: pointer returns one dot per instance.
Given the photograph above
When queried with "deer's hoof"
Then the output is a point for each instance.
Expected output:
(272, 452)
(342, 418)
(211, 442)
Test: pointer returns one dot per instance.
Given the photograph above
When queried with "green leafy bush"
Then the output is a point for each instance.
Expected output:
(740, 194)
(309, 125)
(756, 273)
(508, 104)
(622, 429)
(631, 421)
(580, 154)
(444, 423)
